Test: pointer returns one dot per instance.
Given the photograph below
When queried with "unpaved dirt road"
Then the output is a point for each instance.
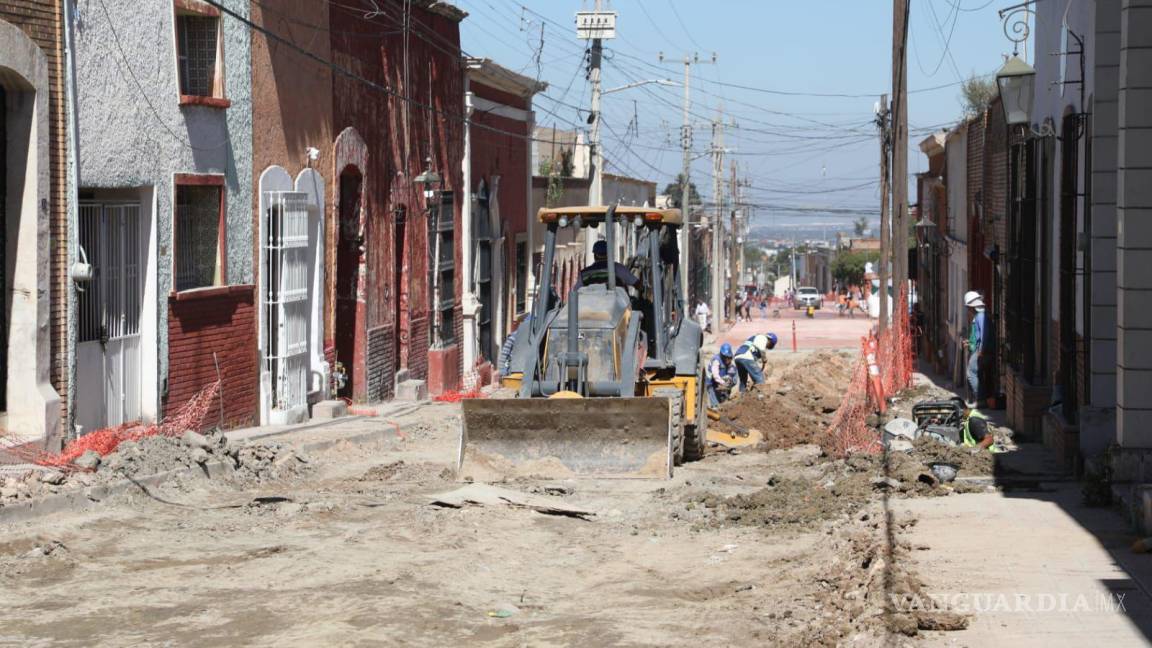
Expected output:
(354, 555)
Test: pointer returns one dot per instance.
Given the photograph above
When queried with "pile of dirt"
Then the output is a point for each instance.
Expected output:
(866, 595)
(835, 488)
(970, 461)
(244, 463)
(790, 502)
(795, 404)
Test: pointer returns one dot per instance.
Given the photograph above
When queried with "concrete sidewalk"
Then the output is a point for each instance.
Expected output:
(1037, 568)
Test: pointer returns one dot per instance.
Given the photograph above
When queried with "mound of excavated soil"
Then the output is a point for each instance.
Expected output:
(796, 402)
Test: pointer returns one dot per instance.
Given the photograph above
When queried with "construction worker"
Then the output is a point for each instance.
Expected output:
(750, 358)
(597, 271)
(721, 375)
(974, 430)
(505, 360)
(975, 342)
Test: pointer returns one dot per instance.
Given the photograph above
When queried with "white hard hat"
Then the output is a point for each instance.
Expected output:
(973, 299)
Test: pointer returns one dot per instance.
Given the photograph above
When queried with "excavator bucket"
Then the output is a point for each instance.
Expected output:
(559, 438)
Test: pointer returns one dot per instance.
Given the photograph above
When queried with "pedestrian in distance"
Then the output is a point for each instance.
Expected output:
(703, 313)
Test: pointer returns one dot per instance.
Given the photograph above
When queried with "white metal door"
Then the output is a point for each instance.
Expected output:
(287, 302)
(108, 348)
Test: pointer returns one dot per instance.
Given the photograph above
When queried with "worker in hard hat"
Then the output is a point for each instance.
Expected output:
(750, 359)
(597, 271)
(975, 342)
(721, 376)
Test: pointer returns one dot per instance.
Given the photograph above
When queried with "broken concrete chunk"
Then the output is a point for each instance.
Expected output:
(195, 440)
(885, 483)
(90, 460)
(200, 456)
(54, 477)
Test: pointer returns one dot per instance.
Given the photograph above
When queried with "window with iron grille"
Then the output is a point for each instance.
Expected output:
(197, 49)
(521, 276)
(197, 242)
(442, 268)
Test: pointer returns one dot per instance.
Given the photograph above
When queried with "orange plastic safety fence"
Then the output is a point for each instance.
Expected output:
(457, 396)
(849, 431)
(192, 415)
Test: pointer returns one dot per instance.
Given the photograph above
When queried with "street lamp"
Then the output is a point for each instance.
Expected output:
(431, 181)
(1017, 84)
(926, 231)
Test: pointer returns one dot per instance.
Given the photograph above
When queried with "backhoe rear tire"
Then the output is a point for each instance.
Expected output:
(676, 403)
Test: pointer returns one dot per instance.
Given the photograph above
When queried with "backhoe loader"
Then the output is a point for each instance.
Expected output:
(607, 383)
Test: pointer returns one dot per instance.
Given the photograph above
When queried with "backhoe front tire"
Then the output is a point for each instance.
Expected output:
(696, 431)
(676, 404)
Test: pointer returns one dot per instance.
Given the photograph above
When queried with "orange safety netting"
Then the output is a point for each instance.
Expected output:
(849, 431)
(191, 416)
(457, 396)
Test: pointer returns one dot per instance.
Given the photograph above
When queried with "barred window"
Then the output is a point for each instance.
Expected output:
(197, 50)
(197, 244)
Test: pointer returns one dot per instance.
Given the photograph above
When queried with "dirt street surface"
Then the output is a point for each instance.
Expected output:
(778, 545)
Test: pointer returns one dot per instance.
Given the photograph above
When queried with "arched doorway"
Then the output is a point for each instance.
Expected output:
(349, 258)
(29, 404)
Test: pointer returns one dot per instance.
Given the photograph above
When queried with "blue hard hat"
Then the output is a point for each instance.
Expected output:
(726, 350)
(771, 340)
(600, 248)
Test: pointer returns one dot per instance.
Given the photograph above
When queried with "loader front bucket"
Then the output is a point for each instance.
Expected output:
(558, 438)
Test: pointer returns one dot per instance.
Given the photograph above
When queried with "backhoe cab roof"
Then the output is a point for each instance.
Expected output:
(596, 214)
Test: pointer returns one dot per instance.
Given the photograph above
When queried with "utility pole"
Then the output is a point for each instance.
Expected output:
(718, 265)
(734, 251)
(883, 126)
(596, 25)
(899, 146)
(686, 166)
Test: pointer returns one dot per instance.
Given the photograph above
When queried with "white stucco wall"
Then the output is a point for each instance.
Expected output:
(133, 132)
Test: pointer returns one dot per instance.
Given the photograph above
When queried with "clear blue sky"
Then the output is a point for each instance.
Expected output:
(825, 147)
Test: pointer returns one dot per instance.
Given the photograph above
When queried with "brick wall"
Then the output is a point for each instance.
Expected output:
(41, 21)
(380, 369)
(221, 321)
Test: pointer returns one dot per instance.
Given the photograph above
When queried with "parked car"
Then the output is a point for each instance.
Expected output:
(806, 297)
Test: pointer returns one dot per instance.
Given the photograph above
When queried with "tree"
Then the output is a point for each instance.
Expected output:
(673, 192)
(977, 93)
(848, 268)
(861, 225)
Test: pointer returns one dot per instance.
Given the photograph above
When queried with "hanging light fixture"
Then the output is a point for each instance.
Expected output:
(1017, 84)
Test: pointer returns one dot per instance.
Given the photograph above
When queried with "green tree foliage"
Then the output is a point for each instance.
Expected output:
(673, 192)
(977, 94)
(848, 268)
(860, 226)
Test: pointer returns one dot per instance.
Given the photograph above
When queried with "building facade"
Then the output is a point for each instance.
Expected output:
(164, 123)
(34, 213)
(497, 178)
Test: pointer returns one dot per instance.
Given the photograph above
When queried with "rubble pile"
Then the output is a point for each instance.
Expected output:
(241, 463)
(796, 403)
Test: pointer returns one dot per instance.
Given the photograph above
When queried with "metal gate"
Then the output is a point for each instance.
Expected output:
(108, 376)
(286, 302)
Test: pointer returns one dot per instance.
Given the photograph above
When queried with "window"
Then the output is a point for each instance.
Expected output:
(199, 54)
(521, 276)
(197, 237)
(443, 270)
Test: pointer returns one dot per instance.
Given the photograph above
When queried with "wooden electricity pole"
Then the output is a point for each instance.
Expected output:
(882, 125)
(899, 147)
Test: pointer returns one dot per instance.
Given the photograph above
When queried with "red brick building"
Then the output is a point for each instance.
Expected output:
(498, 178)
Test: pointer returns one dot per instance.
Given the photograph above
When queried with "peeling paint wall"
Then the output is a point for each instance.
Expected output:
(134, 133)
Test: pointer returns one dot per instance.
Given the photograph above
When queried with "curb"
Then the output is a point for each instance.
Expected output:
(87, 498)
